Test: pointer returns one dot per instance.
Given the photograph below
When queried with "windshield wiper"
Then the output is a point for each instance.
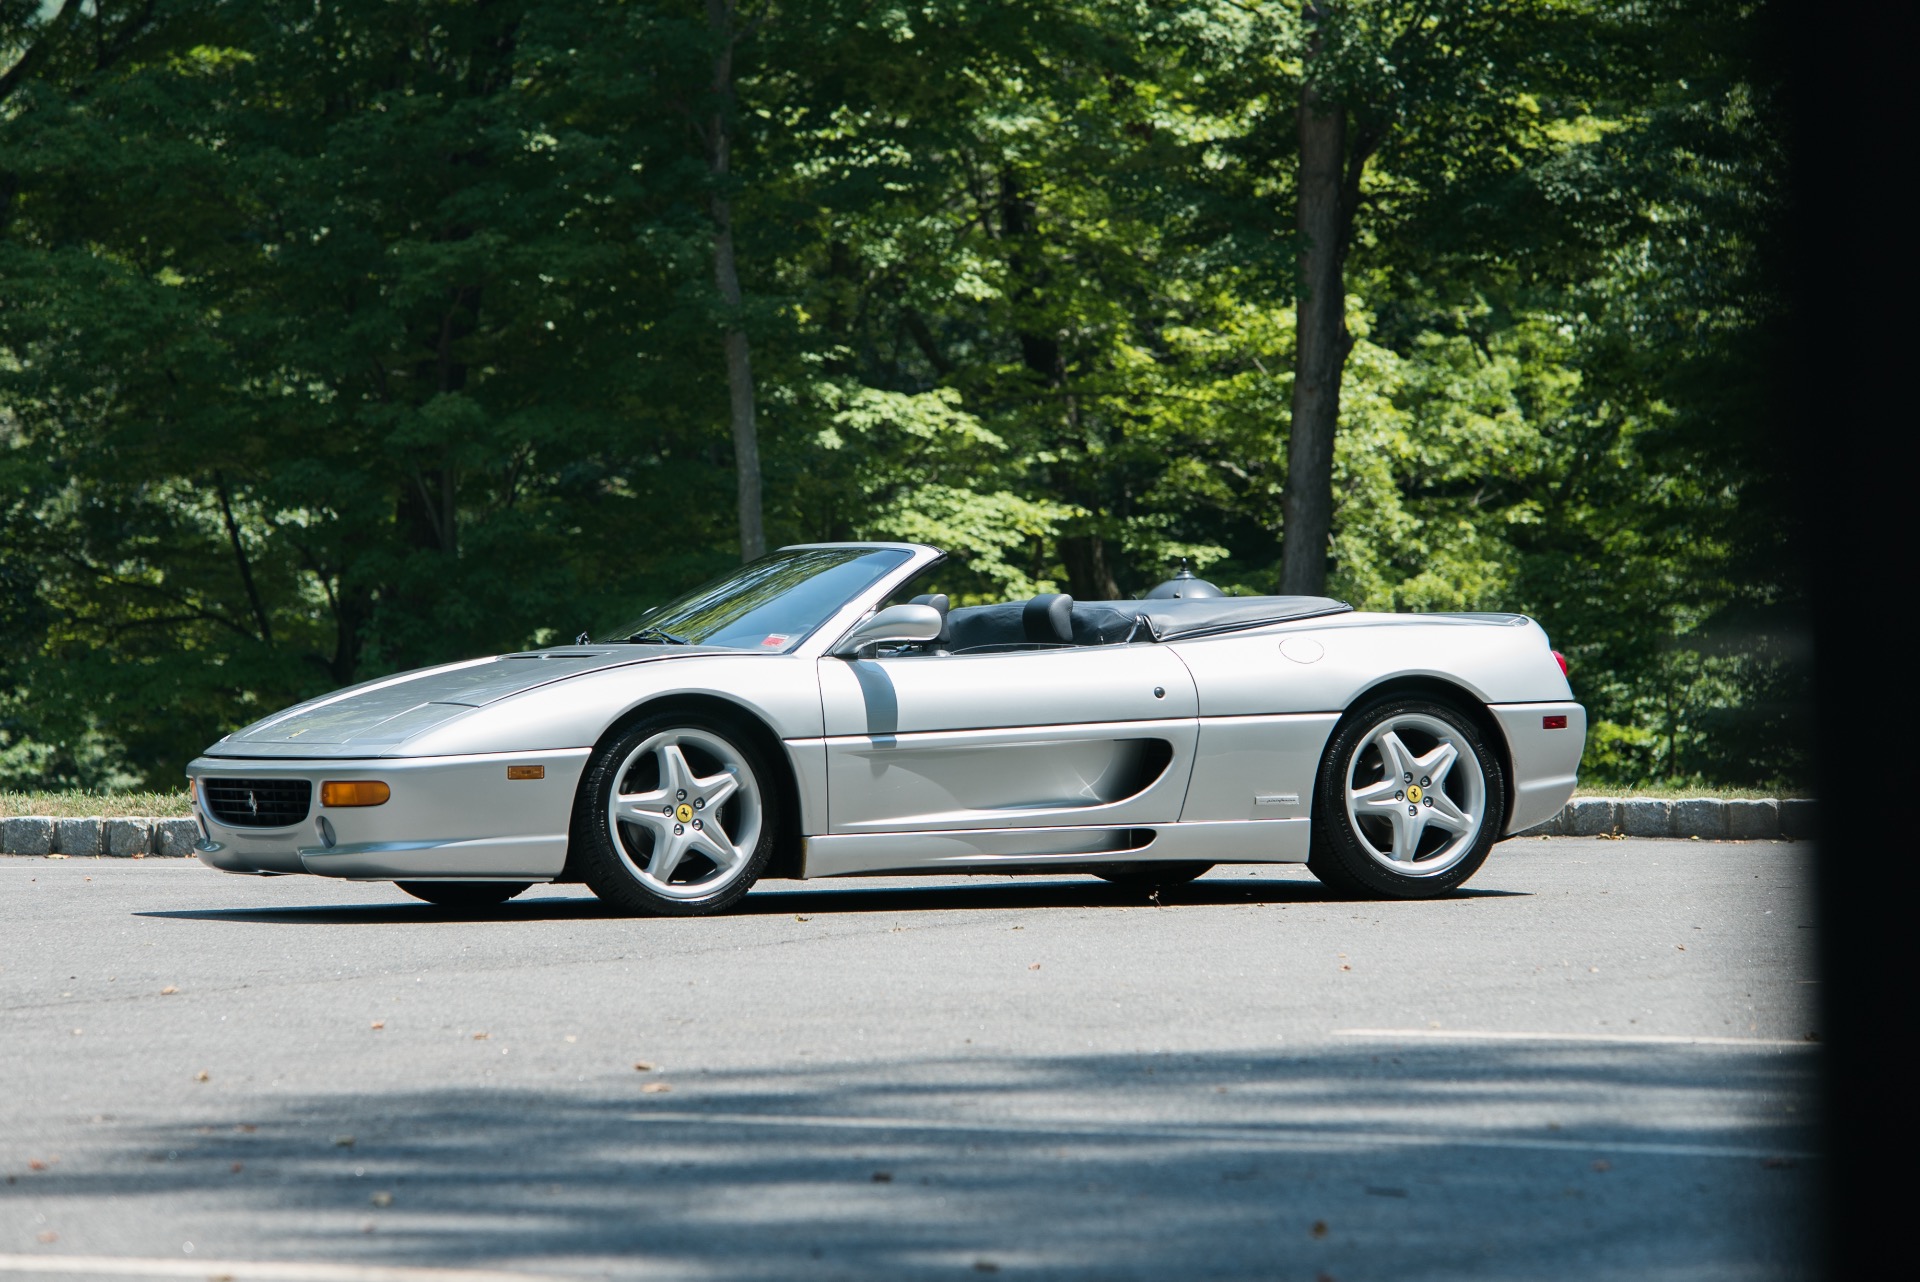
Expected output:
(658, 634)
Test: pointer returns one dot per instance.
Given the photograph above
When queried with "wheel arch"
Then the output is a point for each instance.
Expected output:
(786, 854)
(1454, 695)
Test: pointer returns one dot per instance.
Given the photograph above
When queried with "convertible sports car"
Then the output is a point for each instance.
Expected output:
(806, 716)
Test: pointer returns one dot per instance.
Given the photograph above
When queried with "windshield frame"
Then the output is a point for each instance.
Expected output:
(826, 629)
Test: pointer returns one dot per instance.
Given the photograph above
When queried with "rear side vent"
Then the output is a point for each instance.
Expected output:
(257, 803)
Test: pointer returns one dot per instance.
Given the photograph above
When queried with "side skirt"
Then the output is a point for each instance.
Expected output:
(1265, 841)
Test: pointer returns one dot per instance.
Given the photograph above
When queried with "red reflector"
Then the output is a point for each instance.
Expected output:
(1554, 723)
(1561, 659)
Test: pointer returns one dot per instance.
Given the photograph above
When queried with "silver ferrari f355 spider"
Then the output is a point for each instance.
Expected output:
(809, 716)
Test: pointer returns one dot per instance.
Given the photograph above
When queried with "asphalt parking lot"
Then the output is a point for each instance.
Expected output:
(1595, 1062)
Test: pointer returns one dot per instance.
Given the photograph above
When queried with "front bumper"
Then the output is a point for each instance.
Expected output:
(449, 818)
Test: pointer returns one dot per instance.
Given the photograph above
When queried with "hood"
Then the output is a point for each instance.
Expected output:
(377, 715)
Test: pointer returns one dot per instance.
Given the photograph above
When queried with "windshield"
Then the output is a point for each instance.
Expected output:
(772, 604)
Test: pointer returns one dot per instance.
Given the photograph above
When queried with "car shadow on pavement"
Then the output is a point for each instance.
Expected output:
(775, 898)
(1485, 1162)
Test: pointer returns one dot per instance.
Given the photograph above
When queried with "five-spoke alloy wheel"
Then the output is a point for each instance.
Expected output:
(1408, 803)
(676, 816)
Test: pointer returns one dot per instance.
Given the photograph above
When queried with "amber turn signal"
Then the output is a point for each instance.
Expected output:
(357, 792)
(526, 772)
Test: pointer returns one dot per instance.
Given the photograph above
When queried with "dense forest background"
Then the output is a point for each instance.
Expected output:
(344, 336)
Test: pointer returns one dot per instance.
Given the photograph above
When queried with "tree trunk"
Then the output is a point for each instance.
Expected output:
(726, 276)
(1321, 345)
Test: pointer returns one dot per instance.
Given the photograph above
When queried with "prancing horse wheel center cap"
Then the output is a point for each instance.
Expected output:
(684, 813)
(1413, 794)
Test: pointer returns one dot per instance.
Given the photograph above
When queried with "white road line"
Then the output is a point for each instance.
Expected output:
(254, 1270)
(1303, 1138)
(1618, 1039)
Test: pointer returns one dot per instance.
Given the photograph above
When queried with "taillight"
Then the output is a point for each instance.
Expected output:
(1561, 659)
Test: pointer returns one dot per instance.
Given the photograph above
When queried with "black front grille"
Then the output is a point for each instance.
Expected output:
(257, 803)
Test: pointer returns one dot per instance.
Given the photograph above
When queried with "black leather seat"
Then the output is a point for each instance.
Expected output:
(1048, 619)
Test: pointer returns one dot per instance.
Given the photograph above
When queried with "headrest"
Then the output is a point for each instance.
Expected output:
(1048, 617)
(938, 600)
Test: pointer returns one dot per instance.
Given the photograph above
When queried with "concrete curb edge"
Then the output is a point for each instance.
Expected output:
(1705, 818)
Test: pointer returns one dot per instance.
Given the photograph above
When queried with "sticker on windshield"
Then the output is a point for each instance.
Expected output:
(774, 639)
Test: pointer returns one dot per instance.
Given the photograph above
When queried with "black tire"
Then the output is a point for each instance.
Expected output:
(1152, 875)
(621, 861)
(464, 894)
(1366, 851)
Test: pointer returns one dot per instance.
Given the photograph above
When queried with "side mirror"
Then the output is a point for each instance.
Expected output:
(896, 623)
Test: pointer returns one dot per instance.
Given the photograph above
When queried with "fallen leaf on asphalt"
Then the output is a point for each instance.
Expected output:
(1035, 966)
(201, 1076)
(481, 1037)
(1344, 966)
(655, 1088)
(1602, 1165)
(55, 856)
(1681, 947)
(379, 1023)
(343, 1141)
(168, 991)
(247, 1128)
(798, 917)
(641, 1066)
(35, 1164)
(1319, 1228)
(382, 1199)
(1593, 970)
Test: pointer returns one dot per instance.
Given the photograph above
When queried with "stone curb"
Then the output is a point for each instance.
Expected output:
(1700, 818)
(114, 838)
(1705, 818)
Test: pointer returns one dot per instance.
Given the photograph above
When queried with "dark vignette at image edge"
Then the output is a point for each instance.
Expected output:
(1840, 416)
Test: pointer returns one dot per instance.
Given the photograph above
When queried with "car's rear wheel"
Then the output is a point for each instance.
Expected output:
(464, 894)
(1152, 874)
(677, 816)
(1409, 801)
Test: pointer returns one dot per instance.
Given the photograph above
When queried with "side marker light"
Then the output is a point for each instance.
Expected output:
(357, 792)
(1561, 659)
(526, 772)
(1555, 722)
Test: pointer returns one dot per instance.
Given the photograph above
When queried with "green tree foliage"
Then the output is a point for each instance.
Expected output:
(340, 338)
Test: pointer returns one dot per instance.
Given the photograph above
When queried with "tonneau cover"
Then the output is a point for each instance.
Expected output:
(975, 628)
(1175, 619)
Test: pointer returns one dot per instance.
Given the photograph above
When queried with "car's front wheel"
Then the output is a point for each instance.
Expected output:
(676, 816)
(1409, 801)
